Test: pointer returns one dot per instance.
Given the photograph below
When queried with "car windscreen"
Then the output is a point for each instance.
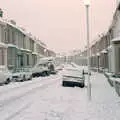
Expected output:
(41, 65)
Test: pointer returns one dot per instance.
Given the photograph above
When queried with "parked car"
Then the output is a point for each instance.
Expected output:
(44, 67)
(40, 69)
(18, 75)
(5, 75)
(22, 74)
(73, 77)
(51, 67)
(28, 73)
(83, 68)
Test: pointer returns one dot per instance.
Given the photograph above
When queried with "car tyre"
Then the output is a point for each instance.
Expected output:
(64, 83)
(24, 79)
(44, 73)
(82, 85)
(47, 73)
(7, 81)
(30, 77)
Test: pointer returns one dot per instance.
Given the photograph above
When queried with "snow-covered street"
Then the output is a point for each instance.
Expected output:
(45, 99)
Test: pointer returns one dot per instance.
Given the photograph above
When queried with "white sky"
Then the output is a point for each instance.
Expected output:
(60, 23)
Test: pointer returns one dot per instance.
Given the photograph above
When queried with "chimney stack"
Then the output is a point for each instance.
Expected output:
(1, 13)
(117, 2)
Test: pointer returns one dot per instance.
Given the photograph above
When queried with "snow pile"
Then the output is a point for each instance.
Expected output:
(54, 102)
(64, 103)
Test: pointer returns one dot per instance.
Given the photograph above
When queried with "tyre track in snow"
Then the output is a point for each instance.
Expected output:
(13, 101)
(14, 114)
(28, 92)
(24, 85)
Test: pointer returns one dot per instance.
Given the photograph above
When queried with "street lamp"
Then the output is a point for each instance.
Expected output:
(87, 3)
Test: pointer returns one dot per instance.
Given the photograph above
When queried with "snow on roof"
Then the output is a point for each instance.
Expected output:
(98, 54)
(40, 43)
(48, 58)
(45, 60)
(5, 21)
(93, 55)
(11, 45)
(109, 47)
(104, 51)
(2, 21)
(3, 45)
(117, 39)
(34, 53)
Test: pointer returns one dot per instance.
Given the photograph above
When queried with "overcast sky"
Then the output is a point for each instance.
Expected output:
(60, 23)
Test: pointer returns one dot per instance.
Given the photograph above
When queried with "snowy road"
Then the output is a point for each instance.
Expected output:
(45, 99)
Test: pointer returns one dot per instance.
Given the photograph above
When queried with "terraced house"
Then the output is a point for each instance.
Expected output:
(105, 49)
(18, 48)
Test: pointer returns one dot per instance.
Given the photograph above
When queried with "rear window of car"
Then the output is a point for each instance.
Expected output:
(72, 72)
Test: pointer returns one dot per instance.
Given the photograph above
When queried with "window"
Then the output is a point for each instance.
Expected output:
(2, 56)
(21, 60)
(27, 60)
(6, 37)
(13, 37)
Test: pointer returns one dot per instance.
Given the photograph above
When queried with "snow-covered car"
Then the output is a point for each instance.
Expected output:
(22, 74)
(44, 67)
(84, 68)
(73, 77)
(18, 75)
(5, 75)
(40, 69)
(28, 73)
(51, 67)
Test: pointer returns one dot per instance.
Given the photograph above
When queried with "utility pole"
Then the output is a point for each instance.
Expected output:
(87, 4)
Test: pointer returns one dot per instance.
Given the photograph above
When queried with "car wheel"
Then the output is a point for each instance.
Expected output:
(24, 78)
(1, 84)
(33, 75)
(47, 73)
(37, 75)
(7, 81)
(82, 85)
(30, 77)
(44, 74)
(21, 80)
(64, 83)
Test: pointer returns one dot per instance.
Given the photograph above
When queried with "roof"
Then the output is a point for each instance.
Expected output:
(72, 72)
(104, 51)
(109, 47)
(117, 39)
(5, 21)
(98, 54)
(3, 45)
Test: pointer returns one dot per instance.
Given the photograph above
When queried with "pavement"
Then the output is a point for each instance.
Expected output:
(45, 99)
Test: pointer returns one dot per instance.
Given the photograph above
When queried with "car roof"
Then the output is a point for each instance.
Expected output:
(73, 72)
